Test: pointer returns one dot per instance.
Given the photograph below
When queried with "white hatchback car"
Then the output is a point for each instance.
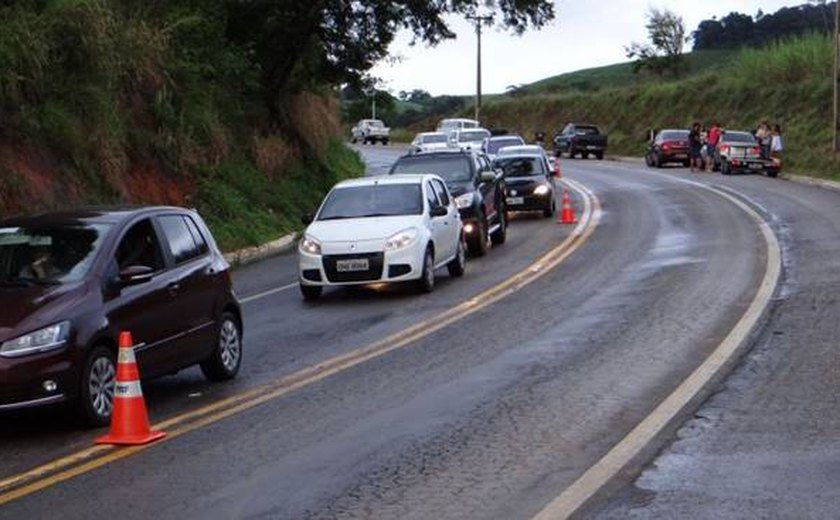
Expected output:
(382, 229)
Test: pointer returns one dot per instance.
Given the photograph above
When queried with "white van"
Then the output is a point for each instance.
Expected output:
(448, 125)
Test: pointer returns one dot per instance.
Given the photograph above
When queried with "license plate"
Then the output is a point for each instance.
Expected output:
(591, 147)
(756, 166)
(680, 156)
(346, 266)
(515, 201)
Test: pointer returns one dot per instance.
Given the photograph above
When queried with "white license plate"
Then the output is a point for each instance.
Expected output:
(755, 166)
(680, 156)
(591, 147)
(357, 264)
(515, 201)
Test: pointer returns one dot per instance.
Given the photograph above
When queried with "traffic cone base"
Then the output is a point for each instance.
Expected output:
(129, 418)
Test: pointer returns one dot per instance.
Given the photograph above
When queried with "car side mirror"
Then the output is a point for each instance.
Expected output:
(307, 218)
(488, 176)
(135, 275)
(439, 211)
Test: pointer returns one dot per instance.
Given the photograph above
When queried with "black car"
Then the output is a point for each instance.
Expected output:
(478, 189)
(529, 183)
(71, 281)
(580, 139)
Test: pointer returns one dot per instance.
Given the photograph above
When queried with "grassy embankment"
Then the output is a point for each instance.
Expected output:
(789, 83)
(112, 102)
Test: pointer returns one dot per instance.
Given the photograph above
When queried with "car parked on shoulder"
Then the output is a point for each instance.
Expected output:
(447, 126)
(478, 190)
(71, 281)
(492, 145)
(382, 229)
(428, 141)
(739, 152)
(370, 131)
(580, 139)
(529, 183)
(668, 146)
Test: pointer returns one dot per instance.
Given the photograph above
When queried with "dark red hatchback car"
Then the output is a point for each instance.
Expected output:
(71, 281)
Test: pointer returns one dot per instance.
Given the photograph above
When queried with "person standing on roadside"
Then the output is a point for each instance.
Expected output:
(695, 146)
(763, 135)
(711, 144)
(776, 144)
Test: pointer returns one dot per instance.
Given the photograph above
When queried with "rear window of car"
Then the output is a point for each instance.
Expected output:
(673, 135)
(494, 144)
(437, 138)
(739, 137)
(454, 168)
(520, 166)
(586, 130)
(180, 238)
(378, 200)
(473, 135)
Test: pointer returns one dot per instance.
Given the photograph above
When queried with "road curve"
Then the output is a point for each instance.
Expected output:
(489, 417)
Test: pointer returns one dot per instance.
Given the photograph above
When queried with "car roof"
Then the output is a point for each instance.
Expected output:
(728, 133)
(89, 215)
(400, 178)
(430, 133)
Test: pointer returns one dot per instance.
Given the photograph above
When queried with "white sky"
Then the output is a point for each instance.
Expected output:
(585, 34)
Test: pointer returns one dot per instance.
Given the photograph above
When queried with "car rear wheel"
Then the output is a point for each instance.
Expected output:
(599, 155)
(457, 265)
(725, 168)
(99, 379)
(226, 357)
(426, 283)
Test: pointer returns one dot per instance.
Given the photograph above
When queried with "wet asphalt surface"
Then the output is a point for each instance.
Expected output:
(493, 416)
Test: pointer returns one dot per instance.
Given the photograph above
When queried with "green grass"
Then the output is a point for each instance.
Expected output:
(789, 83)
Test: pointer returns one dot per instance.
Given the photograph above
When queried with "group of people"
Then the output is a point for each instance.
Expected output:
(702, 143)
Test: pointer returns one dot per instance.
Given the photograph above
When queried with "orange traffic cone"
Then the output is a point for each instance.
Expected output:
(129, 420)
(567, 215)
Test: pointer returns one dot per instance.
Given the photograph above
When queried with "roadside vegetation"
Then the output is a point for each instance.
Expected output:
(788, 82)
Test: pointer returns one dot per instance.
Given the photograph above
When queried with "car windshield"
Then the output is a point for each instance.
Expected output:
(433, 138)
(48, 254)
(494, 145)
(473, 135)
(376, 124)
(739, 137)
(378, 200)
(520, 166)
(455, 168)
(675, 135)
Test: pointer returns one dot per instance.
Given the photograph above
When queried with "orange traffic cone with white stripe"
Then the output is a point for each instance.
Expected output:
(129, 419)
(567, 215)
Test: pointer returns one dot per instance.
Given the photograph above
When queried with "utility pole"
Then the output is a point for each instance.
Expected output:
(478, 21)
(837, 77)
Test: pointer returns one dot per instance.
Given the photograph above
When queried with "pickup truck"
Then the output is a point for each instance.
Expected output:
(370, 131)
(580, 139)
(478, 190)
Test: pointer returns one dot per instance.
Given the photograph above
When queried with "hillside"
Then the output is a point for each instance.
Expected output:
(789, 83)
(129, 102)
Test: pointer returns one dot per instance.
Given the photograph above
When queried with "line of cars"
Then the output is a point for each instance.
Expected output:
(443, 200)
(735, 152)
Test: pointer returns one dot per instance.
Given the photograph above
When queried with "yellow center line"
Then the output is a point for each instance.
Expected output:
(84, 461)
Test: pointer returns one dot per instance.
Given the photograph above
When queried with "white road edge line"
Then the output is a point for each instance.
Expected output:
(595, 478)
(267, 293)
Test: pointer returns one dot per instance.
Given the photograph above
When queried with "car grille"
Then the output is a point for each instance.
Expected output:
(374, 271)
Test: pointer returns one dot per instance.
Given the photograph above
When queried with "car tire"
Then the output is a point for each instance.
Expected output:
(549, 211)
(686, 164)
(457, 265)
(478, 245)
(384, 142)
(657, 161)
(226, 358)
(772, 175)
(725, 168)
(353, 140)
(499, 236)
(311, 292)
(572, 153)
(426, 283)
(98, 382)
(599, 156)
(648, 160)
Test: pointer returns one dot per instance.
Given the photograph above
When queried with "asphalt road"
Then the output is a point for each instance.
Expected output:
(495, 414)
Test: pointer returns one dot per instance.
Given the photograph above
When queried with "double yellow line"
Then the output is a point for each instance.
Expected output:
(65, 468)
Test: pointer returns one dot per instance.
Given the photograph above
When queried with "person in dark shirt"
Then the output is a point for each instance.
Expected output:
(695, 146)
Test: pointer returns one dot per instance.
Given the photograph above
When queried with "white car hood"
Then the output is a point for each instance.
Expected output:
(361, 229)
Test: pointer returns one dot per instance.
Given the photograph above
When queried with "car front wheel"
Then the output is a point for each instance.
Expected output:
(426, 283)
(226, 357)
(99, 379)
(457, 265)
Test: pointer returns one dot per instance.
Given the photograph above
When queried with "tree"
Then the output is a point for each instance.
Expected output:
(666, 31)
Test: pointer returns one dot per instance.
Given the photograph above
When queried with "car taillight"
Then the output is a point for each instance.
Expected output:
(724, 149)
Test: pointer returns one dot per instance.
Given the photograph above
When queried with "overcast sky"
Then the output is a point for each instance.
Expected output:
(586, 33)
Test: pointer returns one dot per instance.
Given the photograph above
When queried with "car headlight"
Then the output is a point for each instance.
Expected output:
(464, 201)
(402, 239)
(542, 189)
(310, 245)
(42, 340)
